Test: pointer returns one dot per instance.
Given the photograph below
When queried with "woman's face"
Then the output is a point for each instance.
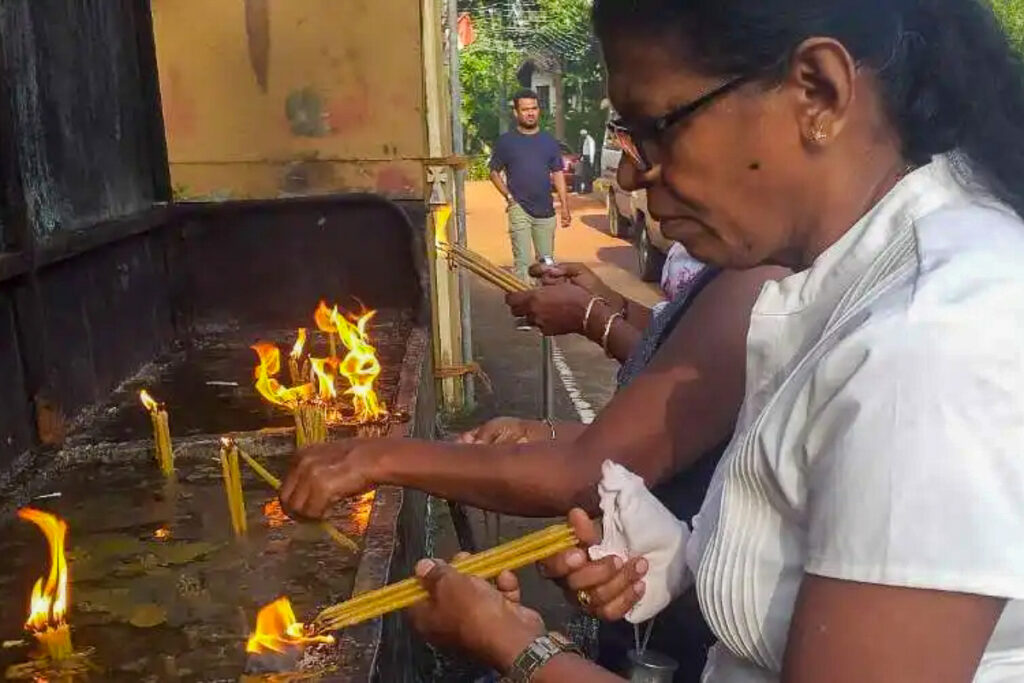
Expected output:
(729, 181)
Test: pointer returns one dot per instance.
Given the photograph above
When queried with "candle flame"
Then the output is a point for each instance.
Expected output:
(360, 366)
(323, 317)
(300, 344)
(442, 215)
(48, 605)
(148, 401)
(325, 380)
(277, 630)
(270, 388)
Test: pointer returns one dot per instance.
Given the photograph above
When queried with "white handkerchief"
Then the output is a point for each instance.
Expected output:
(636, 523)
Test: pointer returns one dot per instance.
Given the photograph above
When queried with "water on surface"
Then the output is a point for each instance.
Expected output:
(156, 574)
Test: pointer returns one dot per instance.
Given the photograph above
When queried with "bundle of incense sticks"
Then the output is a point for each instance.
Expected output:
(486, 565)
(275, 483)
(233, 485)
(478, 265)
(310, 423)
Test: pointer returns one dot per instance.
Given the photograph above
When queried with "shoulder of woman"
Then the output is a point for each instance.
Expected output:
(939, 356)
(733, 283)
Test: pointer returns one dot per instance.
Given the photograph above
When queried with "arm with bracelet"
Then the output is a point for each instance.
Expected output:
(633, 312)
(608, 327)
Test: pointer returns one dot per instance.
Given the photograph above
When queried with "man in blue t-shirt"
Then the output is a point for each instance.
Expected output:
(532, 162)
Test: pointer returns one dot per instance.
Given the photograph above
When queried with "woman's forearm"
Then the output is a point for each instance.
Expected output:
(617, 336)
(569, 431)
(536, 480)
(637, 315)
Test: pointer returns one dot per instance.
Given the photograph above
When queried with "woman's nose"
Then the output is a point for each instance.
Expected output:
(632, 178)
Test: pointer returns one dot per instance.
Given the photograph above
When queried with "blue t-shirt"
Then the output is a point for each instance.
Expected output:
(528, 162)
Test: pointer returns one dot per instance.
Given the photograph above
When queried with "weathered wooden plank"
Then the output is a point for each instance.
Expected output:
(79, 109)
(16, 424)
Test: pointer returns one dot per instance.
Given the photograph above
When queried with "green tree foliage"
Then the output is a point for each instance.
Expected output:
(559, 28)
(1011, 12)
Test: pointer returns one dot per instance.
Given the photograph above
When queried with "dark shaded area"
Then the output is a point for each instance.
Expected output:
(623, 256)
(82, 108)
(594, 222)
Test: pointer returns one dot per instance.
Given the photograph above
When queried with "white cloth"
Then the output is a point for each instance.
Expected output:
(636, 523)
(881, 438)
(679, 272)
(589, 149)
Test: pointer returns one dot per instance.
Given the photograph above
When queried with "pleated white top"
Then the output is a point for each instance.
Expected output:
(882, 435)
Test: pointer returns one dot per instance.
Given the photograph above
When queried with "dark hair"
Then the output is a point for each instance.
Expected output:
(524, 94)
(949, 78)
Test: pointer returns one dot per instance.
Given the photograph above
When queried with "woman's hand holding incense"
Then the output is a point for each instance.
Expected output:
(471, 615)
(324, 474)
(577, 274)
(606, 589)
(556, 309)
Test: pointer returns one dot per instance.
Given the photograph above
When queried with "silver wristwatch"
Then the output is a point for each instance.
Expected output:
(537, 654)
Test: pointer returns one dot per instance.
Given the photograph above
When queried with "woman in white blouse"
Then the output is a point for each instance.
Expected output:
(867, 522)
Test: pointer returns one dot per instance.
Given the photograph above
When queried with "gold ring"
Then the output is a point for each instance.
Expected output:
(583, 597)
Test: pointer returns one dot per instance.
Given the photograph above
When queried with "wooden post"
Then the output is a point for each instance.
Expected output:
(445, 292)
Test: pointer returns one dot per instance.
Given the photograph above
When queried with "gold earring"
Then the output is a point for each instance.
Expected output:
(819, 135)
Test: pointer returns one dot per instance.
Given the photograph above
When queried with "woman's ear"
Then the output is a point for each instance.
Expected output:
(823, 75)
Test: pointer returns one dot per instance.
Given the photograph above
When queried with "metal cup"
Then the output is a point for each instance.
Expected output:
(651, 667)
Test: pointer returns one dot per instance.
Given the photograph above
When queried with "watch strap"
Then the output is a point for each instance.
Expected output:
(537, 654)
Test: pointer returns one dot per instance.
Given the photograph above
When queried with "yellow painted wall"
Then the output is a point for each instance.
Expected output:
(270, 98)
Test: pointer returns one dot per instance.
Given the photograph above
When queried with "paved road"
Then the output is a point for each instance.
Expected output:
(586, 241)
(585, 381)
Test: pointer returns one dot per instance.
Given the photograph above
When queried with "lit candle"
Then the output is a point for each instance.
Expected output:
(232, 474)
(47, 619)
(295, 356)
(161, 433)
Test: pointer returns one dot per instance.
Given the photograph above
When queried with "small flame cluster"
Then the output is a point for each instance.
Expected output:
(277, 630)
(359, 368)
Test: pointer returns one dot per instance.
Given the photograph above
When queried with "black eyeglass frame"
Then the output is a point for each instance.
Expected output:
(632, 135)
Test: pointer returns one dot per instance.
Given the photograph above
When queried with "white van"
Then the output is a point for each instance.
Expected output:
(628, 216)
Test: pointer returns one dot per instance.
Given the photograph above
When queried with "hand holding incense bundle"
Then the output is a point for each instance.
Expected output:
(161, 433)
(486, 565)
(275, 483)
(481, 267)
(233, 485)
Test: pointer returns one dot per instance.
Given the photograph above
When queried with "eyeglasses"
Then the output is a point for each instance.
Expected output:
(633, 136)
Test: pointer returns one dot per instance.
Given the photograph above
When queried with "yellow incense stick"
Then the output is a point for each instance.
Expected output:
(484, 269)
(233, 487)
(473, 563)
(486, 565)
(275, 483)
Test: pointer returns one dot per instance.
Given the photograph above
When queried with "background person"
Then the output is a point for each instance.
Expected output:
(525, 164)
(588, 162)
